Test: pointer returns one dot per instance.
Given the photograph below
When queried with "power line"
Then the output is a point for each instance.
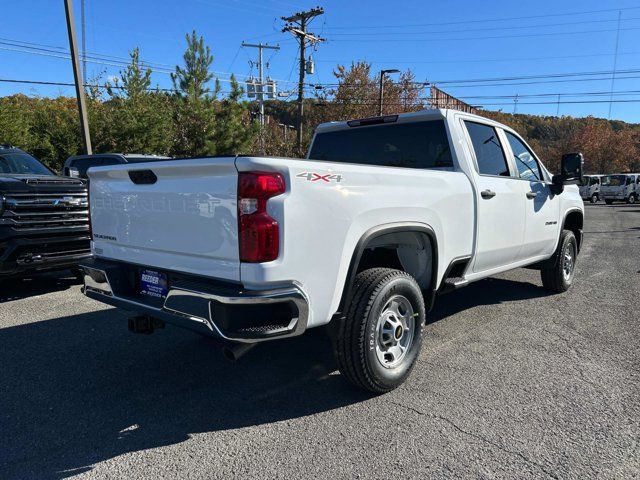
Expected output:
(484, 29)
(503, 19)
(378, 38)
(483, 60)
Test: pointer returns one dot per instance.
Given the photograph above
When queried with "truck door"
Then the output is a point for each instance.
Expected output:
(500, 204)
(542, 207)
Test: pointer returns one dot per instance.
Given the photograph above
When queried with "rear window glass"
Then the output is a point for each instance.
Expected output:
(409, 145)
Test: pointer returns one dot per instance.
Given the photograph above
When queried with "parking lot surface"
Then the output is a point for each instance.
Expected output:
(512, 383)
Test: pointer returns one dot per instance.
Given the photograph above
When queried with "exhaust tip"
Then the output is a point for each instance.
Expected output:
(228, 354)
(234, 352)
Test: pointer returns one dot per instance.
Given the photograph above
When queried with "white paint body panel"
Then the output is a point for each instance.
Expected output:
(322, 222)
(186, 221)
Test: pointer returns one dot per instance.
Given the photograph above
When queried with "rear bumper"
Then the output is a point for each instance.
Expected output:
(220, 309)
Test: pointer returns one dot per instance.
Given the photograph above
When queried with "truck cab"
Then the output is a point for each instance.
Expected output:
(590, 189)
(622, 188)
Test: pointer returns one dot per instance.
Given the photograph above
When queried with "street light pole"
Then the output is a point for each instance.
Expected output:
(382, 74)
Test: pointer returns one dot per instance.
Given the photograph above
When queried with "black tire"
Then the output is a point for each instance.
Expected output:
(608, 202)
(555, 278)
(594, 198)
(356, 343)
(632, 199)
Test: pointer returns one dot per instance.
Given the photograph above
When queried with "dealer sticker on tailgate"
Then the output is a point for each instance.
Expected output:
(153, 283)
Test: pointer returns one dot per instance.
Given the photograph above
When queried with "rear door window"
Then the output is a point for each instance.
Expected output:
(488, 149)
(409, 145)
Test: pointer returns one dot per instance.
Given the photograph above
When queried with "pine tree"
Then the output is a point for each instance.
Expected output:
(191, 81)
(234, 131)
(194, 115)
(135, 81)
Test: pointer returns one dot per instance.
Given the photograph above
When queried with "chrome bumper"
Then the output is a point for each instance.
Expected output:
(195, 309)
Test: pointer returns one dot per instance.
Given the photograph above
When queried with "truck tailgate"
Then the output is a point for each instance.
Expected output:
(185, 220)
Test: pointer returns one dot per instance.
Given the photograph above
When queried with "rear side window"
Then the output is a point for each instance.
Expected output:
(409, 145)
(488, 149)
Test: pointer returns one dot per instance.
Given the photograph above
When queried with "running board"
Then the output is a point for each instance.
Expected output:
(453, 277)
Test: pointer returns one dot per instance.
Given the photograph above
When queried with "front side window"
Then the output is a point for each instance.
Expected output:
(594, 181)
(410, 145)
(617, 180)
(488, 149)
(527, 165)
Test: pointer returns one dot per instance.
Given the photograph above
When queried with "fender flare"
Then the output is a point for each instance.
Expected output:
(379, 231)
(564, 221)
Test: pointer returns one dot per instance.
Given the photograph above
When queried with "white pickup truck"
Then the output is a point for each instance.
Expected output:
(384, 213)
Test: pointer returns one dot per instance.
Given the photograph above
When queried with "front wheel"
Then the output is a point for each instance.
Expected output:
(379, 340)
(559, 277)
(632, 199)
(594, 198)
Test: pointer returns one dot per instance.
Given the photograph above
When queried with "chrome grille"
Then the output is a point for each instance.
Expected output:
(43, 211)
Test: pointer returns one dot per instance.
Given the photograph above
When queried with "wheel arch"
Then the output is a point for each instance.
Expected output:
(574, 221)
(390, 235)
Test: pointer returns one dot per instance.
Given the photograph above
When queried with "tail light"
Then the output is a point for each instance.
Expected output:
(258, 232)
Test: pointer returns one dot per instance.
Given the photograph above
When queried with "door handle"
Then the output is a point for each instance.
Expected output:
(532, 194)
(487, 194)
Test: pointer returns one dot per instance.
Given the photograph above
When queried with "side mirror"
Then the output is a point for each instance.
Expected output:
(571, 172)
(571, 168)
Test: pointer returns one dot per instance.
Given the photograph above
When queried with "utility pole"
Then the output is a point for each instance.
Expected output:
(297, 24)
(381, 96)
(83, 26)
(615, 62)
(558, 109)
(260, 93)
(73, 47)
(515, 104)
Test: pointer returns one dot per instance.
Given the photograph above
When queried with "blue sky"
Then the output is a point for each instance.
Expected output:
(439, 40)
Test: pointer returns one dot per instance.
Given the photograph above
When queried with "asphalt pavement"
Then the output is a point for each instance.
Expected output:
(513, 382)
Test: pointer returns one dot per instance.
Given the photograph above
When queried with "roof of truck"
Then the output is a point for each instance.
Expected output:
(426, 114)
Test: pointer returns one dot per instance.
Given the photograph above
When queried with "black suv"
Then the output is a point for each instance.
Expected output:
(44, 218)
(78, 165)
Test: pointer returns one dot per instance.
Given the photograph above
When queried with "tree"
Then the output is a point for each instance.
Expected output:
(234, 131)
(191, 80)
(135, 80)
(194, 114)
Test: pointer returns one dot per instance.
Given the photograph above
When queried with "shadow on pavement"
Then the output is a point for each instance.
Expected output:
(81, 389)
(19, 288)
(490, 291)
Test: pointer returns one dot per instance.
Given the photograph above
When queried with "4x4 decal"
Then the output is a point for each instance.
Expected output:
(317, 177)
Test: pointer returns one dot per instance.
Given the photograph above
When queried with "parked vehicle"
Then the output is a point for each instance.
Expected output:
(44, 219)
(382, 215)
(621, 188)
(77, 165)
(590, 189)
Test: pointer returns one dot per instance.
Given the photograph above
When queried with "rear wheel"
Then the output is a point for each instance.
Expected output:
(594, 198)
(379, 339)
(608, 202)
(559, 277)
